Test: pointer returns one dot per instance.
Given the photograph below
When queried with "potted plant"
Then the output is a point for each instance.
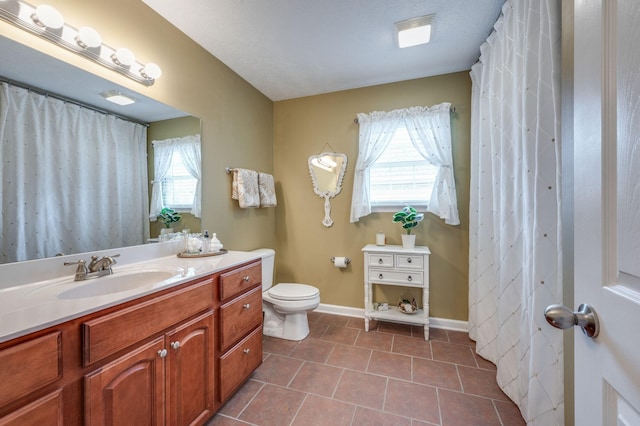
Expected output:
(168, 216)
(410, 218)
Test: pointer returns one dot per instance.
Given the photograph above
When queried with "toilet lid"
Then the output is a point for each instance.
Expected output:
(287, 291)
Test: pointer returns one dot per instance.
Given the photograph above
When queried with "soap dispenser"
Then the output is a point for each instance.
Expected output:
(206, 242)
(216, 245)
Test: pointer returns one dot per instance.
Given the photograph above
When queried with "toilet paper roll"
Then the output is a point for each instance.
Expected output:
(340, 262)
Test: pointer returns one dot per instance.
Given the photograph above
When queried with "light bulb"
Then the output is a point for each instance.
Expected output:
(123, 57)
(151, 71)
(47, 17)
(88, 38)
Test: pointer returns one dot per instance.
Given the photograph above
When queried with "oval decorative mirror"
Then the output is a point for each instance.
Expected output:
(327, 171)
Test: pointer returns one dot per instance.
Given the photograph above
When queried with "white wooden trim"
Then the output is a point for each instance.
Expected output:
(347, 311)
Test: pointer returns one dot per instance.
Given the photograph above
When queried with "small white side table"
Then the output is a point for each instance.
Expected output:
(394, 265)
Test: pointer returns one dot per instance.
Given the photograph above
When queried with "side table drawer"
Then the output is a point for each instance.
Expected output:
(381, 260)
(410, 278)
(408, 261)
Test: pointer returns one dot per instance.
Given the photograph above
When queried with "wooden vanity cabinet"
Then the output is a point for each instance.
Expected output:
(170, 358)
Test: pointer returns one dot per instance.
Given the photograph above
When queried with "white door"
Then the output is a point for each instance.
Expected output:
(607, 209)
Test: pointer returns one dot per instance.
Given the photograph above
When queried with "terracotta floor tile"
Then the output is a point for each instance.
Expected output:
(460, 337)
(236, 404)
(459, 409)
(343, 335)
(375, 340)
(264, 410)
(342, 375)
(411, 346)
(278, 370)
(318, 411)
(390, 365)
(350, 357)
(481, 382)
(457, 354)
(317, 379)
(436, 373)
(360, 388)
(367, 416)
(313, 350)
(277, 346)
(412, 400)
(509, 413)
(390, 327)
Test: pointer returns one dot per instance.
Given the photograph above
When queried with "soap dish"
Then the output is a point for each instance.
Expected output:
(193, 255)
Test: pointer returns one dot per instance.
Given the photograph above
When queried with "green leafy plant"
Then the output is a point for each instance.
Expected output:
(168, 216)
(409, 217)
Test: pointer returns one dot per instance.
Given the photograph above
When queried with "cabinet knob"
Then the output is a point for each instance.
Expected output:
(409, 278)
(380, 276)
(246, 351)
(246, 278)
(162, 353)
(175, 345)
(246, 306)
(380, 261)
(408, 260)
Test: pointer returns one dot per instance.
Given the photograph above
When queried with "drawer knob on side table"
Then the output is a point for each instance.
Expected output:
(380, 276)
(408, 260)
(409, 278)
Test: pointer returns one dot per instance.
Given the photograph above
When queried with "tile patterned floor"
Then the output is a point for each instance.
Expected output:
(342, 375)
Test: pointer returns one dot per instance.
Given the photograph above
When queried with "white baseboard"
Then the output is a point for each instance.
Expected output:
(346, 311)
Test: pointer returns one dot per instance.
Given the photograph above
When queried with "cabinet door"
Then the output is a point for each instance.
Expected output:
(190, 372)
(129, 390)
(44, 411)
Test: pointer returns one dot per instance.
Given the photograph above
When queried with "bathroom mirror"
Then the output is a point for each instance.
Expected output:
(36, 69)
(327, 171)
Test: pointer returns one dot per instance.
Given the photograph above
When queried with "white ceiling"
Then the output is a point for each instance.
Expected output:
(294, 48)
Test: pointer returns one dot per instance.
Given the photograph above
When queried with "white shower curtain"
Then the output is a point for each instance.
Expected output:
(515, 251)
(72, 179)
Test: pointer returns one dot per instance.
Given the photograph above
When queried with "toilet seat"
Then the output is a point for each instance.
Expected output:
(292, 291)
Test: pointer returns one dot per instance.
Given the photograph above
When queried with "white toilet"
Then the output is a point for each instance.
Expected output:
(285, 305)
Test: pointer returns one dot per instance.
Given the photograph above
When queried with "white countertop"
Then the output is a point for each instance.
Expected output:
(30, 302)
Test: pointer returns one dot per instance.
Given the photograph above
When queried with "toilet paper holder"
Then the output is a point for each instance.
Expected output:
(346, 260)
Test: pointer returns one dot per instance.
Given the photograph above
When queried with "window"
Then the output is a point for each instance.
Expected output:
(178, 187)
(400, 176)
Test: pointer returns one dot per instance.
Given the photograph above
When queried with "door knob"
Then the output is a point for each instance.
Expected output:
(562, 317)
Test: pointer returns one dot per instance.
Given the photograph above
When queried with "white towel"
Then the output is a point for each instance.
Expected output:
(245, 188)
(267, 190)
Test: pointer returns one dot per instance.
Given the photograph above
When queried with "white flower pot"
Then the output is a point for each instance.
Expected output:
(408, 241)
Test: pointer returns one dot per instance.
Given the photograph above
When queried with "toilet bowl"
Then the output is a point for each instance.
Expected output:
(285, 305)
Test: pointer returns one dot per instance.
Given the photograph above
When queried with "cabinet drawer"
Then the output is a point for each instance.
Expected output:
(409, 278)
(110, 333)
(409, 262)
(237, 364)
(30, 365)
(240, 316)
(382, 260)
(44, 411)
(240, 280)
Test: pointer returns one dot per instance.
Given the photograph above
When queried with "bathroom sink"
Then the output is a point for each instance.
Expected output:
(122, 280)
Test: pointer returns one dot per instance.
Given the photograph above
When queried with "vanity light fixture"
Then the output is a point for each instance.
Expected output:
(117, 97)
(46, 22)
(414, 31)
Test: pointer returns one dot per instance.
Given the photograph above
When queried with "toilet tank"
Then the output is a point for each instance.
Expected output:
(268, 262)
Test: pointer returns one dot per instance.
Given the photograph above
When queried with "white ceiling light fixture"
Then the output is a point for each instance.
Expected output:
(88, 38)
(117, 97)
(46, 22)
(414, 31)
(47, 17)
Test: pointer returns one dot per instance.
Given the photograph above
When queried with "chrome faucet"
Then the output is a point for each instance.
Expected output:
(97, 267)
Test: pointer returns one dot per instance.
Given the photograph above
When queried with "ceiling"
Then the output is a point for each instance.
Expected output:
(293, 48)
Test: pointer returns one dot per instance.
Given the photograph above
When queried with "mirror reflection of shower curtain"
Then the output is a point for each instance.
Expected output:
(72, 179)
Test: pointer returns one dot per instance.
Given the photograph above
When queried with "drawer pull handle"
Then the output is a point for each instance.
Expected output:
(162, 353)
(408, 260)
(380, 261)
(175, 345)
(246, 306)
(246, 351)
(246, 278)
(380, 276)
(409, 278)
